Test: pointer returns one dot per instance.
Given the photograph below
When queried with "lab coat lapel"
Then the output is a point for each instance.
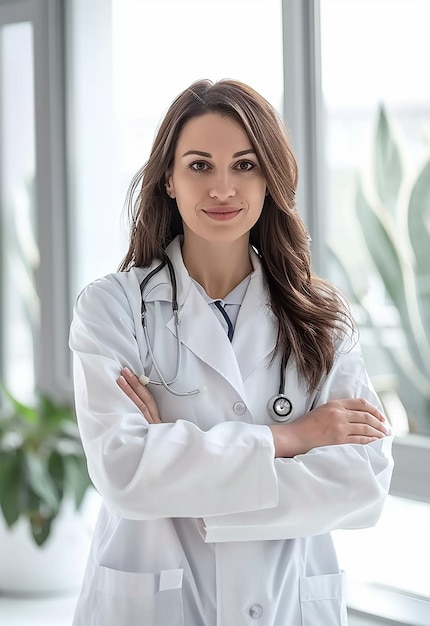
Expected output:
(256, 327)
(200, 331)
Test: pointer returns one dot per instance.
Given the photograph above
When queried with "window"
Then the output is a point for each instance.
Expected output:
(142, 60)
(378, 189)
(33, 276)
(373, 55)
(341, 57)
(20, 322)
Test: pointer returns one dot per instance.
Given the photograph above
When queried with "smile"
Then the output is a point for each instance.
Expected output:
(222, 213)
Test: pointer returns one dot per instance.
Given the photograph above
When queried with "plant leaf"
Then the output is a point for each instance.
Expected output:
(419, 233)
(77, 479)
(387, 163)
(387, 259)
(340, 274)
(382, 249)
(41, 530)
(57, 472)
(53, 415)
(28, 413)
(13, 490)
(40, 480)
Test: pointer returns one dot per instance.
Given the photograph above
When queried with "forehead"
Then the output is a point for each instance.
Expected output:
(212, 132)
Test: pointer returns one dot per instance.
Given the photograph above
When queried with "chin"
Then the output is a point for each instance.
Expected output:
(226, 237)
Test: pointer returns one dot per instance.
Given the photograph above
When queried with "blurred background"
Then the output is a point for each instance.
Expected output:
(83, 86)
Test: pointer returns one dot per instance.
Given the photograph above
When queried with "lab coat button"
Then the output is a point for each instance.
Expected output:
(239, 408)
(256, 611)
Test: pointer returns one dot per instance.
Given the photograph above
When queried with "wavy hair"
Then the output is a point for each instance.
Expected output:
(309, 310)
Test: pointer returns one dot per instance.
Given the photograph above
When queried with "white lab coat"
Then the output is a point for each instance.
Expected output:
(200, 525)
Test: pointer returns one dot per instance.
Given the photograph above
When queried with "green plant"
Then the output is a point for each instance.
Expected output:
(41, 461)
(393, 214)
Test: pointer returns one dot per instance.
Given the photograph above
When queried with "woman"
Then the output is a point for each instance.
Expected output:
(214, 511)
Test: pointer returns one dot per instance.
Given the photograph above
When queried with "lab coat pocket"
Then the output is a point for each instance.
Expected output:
(135, 598)
(322, 600)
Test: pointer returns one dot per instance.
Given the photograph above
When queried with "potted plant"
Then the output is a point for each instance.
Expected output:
(392, 214)
(43, 481)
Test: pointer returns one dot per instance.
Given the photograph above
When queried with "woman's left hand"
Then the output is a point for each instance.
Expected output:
(139, 394)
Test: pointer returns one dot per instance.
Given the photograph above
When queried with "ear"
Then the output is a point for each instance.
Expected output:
(170, 189)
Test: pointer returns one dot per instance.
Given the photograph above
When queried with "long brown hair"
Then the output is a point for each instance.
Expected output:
(309, 311)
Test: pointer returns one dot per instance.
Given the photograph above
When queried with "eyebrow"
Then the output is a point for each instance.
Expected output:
(209, 156)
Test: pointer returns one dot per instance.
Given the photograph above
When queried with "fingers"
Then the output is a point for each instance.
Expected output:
(134, 398)
(139, 395)
(366, 420)
(361, 439)
(366, 424)
(366, 431)
(360, 404)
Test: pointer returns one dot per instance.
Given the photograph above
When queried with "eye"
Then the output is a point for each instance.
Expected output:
(199, 166)
(245, 166)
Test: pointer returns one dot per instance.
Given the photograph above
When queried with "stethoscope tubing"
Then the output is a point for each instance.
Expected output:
(279, 407)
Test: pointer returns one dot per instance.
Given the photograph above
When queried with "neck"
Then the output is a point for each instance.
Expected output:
(217, 267)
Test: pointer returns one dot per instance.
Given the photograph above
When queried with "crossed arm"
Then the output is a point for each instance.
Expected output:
(350, 420)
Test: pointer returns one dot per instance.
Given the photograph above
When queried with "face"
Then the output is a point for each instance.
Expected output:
(216, 180)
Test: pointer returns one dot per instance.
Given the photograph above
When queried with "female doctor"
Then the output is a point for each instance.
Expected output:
(225, 410)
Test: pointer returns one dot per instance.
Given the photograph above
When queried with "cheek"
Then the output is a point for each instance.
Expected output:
(259, 191)
(187, 200)
(258, 184)
(189, 188)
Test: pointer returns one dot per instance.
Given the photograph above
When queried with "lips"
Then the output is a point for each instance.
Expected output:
(222, 213)
(222, 210)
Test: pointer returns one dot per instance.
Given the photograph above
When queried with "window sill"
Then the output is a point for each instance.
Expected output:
(371, 605)
(411, 468)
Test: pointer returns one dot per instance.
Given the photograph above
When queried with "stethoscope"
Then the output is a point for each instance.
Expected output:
(279, 407)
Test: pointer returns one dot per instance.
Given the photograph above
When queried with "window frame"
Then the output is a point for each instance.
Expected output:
(303, 110)
(52, 373)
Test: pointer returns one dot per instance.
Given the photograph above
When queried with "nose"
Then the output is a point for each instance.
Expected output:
(222, 187)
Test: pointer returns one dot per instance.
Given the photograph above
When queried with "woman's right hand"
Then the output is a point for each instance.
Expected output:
(139, 394)
(352, 420)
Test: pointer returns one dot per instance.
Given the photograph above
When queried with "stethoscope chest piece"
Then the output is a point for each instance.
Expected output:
(280, 408)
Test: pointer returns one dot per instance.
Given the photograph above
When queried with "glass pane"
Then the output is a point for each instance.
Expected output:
(374, 57)
(151, 51)
(19, 254)
(393, 545)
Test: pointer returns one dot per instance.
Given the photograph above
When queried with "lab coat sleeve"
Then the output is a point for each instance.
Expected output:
(147, 471)
(328, 488)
